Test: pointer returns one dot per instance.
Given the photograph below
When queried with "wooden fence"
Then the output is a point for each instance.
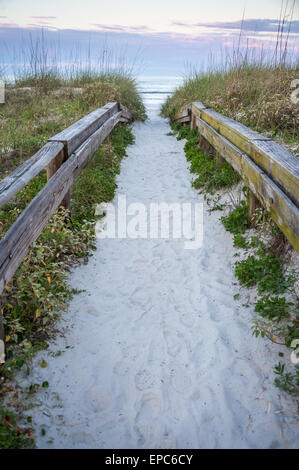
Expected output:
(64, 156)
(270, 171)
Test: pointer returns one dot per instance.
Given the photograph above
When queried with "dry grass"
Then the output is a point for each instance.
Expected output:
(30, 117)
(257, 96)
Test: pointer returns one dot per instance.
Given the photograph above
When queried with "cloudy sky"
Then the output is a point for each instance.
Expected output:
(169, 33)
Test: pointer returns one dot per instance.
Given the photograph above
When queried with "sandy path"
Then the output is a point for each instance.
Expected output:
(160, 354)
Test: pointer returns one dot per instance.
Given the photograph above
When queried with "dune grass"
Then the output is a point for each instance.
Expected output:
(256, 95)
(30, 117)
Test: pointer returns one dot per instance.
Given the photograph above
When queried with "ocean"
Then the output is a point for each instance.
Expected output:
(155, 89)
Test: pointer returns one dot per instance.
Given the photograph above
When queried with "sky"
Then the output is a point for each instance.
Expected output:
(168, 34)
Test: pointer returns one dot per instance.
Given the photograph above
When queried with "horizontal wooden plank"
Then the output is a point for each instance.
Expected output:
(283, 211)
(185, 110)
(280, 164)
(184, 119)
(227, 150)
(196, 108)
(234, 131)
(87, 149)
(28, 227)
(18, 239)
(75, 135)
(18, 179)
(277, 162)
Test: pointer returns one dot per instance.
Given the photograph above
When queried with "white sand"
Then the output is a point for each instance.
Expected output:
(161, 355)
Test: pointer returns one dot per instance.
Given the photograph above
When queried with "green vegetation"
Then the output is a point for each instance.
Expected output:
(287, 381)
(209, 175)
(97, 183)
(277, 317)
(273, 307)
(240, 241)
(30, 118)
(256, 95)
(11, 435)
(265, 271)
(237, 222)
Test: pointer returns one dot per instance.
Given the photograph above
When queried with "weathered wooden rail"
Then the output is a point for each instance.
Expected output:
(64, 156)
(268, 170)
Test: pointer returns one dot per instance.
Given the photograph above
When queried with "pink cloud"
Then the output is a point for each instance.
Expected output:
(44, 17)
(9, 25)
(117, 28)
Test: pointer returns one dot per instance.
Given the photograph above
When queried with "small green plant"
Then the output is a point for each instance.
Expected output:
(209, 175)
(184, 132)
(292, 331)
(287, 381)
(11, 435)
(273, 307)
(98, 181)
(240, 241)
(255, 242)
(265, 272)
(237, 222)
(265, 329)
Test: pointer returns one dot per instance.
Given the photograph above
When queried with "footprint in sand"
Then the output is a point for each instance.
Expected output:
(98, 398)
(172, 342)
(147, 422)
(95, 312)
(144, 380)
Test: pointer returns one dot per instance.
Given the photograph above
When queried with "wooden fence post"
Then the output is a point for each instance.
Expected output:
(193, 122)
(51, 170)
(252, 204)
